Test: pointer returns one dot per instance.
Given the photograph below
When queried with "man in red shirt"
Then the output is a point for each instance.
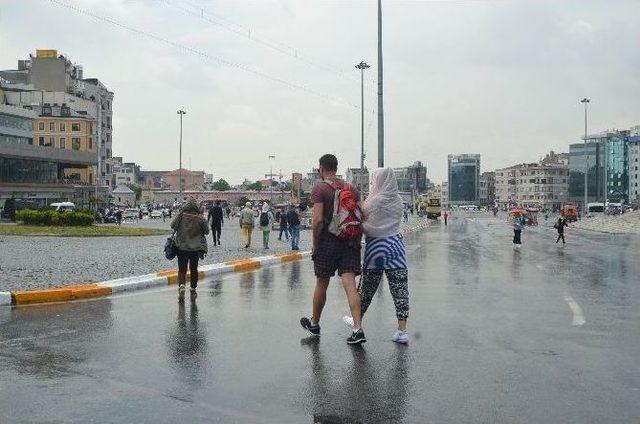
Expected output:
(331, 254)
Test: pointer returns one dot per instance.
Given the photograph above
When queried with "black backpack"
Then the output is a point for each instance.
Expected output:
(264, 219)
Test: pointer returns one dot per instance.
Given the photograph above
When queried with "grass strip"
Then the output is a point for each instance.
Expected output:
(91, 231)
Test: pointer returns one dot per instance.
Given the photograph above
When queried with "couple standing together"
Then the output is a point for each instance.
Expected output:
(384, 250)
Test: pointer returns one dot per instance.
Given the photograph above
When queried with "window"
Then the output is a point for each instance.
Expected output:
(41, 126)
(63, 128)
(52, 142)
(75, 126)
(90, 141)
(41, 140)
(75, 143)
(52, 126)
(63, 141)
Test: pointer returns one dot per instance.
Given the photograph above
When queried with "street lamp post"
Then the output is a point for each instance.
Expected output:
(380, 110)
(271, 158)
(180, 112)
(585, 208)
(362, 66)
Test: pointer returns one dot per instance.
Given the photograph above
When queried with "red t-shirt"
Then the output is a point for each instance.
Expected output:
(324, 193)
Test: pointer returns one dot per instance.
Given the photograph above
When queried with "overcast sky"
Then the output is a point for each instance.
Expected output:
(261, 77)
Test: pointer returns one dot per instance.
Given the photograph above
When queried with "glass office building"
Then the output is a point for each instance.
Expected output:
(606, 158)
(464, 179)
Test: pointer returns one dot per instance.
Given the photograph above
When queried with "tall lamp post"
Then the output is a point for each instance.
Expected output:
(585, 208)
(271, 158)
(180, 112)
(380, 111)
(362, 66)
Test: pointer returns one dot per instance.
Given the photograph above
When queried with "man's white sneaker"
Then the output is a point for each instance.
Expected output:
(400, 337)
(348, 321)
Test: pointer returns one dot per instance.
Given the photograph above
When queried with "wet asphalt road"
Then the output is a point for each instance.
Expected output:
(494, 339)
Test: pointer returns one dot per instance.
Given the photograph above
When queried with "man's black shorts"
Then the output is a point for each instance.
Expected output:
(335, 255)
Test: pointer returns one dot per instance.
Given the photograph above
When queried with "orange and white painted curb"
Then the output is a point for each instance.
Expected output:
(120, 285)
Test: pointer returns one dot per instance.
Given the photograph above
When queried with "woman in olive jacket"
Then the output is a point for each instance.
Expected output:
(191, 243)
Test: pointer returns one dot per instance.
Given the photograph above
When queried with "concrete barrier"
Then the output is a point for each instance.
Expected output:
(140, 282)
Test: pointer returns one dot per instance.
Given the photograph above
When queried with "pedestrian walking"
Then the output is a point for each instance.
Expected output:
(247, 222)
(293, 220)
(405, 213)
(336, 244)
(385, 250)
(562, 222)
(119, 216)
(446, 217)
(191, 244)
(517, 223)
(284, 225)
(216, 219)
(266, 221)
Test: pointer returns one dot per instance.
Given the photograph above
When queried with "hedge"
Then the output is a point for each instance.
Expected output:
(52, 217)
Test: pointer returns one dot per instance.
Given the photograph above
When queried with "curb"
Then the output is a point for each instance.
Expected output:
(168, 277)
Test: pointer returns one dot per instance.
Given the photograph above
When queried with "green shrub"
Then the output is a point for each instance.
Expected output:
(51, 217)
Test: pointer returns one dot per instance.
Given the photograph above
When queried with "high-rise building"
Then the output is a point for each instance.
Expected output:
(634, 166)
(464, 179)
(606, 156)
(412, 178)
(52, 80)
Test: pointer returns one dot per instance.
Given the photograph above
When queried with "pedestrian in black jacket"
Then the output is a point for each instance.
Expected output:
(293, 219)
(284, 225)
(216, 218)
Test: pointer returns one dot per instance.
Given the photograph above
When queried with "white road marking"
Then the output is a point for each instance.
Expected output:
(578, 316)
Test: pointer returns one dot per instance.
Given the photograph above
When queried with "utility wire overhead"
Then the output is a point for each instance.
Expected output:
(247, 33)
(204, 55)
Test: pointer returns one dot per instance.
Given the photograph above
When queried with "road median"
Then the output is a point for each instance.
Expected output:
(161, 278)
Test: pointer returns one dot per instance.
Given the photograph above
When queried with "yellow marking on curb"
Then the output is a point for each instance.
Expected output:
(246, 266)
(166, 272)
(238, 261)
(60, 294)
(290, 257)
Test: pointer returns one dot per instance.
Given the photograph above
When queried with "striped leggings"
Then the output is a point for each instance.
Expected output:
(398, 285)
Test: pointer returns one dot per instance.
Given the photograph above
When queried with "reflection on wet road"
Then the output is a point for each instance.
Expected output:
(544, 334)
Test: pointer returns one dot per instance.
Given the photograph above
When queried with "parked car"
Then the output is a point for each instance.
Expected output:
(156, 213)
(131, 214)
(63, 206)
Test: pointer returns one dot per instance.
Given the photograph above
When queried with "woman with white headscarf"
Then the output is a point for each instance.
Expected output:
(385, 251)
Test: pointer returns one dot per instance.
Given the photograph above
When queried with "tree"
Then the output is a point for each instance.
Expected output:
(257, 186)
(136, 189)
(221, 185)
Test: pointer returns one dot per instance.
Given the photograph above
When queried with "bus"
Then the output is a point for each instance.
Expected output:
(595, 209)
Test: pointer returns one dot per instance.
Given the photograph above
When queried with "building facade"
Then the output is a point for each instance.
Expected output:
(464, 179)
(532, 185)
(62, 128)
(412, 177)
(633, 168)
(359, 178)
(49, 79)
(191, 180)
(605, 159)
(487, 188)
(40, 172)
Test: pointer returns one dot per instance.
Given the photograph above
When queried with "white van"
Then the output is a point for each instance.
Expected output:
(63, 206)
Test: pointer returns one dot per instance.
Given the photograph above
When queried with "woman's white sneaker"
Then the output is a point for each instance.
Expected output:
(400, 337)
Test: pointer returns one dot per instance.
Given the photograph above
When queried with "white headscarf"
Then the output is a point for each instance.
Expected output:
(265, 207)
(383, 208)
